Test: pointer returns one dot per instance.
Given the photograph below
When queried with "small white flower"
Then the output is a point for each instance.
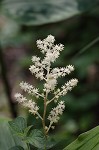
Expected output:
(46, 128)
(19, 97)
(50, 84)
(35, 59)
(50, 39)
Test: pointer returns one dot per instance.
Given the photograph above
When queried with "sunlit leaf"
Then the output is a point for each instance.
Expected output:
(86, 141)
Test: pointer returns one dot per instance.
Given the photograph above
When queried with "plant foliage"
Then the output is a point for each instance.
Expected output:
(86, 141)
(35, 12)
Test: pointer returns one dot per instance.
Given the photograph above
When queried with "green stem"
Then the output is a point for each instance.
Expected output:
(28, 146)
(43, 121)
(86, 47)
(49, 127)
(39, 116)
(45, 107)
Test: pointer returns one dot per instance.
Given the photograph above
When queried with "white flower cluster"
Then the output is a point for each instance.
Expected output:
(42, 70)
(33, 108)
(50, 83)
(51, 80)
(51, 52)
(58, 72)
(55, 112)
(65, 88)
(29, 88)
(37, 68)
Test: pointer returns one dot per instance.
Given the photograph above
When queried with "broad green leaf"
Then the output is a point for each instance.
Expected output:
(86, 141)
(51, 142)
(36, 12)
(17, 148)
(7, 140)
(36, 138)
(18, 125)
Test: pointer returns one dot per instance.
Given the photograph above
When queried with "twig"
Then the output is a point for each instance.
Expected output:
(86, 47)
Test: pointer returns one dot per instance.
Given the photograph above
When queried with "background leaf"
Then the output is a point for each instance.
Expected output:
(16, 148)
(7, 140)
(86, 141)
(35, 12)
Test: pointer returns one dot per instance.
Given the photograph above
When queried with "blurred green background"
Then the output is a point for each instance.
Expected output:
(74, 23)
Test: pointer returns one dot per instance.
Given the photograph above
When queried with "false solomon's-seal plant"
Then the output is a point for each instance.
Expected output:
(42, 70)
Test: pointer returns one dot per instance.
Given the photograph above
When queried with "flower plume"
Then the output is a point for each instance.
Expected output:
(42, 70)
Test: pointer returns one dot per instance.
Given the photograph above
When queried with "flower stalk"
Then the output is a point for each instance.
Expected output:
(43, 121)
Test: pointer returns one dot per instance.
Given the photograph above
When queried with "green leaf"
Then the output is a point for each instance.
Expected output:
(36, 138)
(50, 142)
(86, 141)
(7, 140)
(36, 12)
(18, 125)
(27, 129)
(17, 148)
